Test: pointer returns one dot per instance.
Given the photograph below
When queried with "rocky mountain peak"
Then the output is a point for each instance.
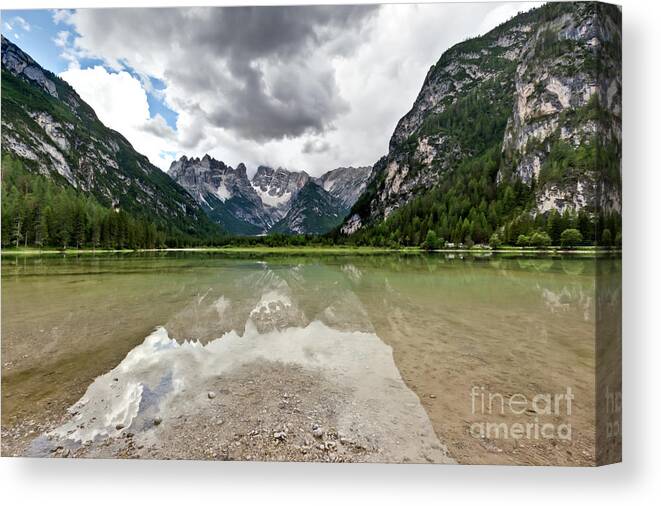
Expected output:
(345, 183)
(21, 64)
(313, 211)
(257, 205)
(277, 187)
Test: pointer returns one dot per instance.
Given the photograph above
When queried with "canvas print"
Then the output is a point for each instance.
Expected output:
(358, 233)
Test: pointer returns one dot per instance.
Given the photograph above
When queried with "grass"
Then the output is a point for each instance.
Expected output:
(223, 249)
(310, 250)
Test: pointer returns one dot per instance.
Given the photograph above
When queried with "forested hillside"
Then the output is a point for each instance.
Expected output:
(38, 212)
(514, 138)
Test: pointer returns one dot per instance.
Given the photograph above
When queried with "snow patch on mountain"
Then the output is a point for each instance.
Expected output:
(222, 192)
(274, 200)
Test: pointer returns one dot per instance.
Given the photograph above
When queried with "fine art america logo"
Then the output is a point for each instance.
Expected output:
(518, 410)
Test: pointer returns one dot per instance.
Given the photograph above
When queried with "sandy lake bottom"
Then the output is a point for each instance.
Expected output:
(384, 358)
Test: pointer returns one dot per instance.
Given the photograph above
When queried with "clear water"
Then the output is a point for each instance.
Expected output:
(448, 324)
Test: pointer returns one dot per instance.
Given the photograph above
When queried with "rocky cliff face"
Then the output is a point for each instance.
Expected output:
(277, 189)
(55, 133)
(568, 92)
(345, 183)
(544, 83)
(223, 192)
(313, 211)
(273, 200)
(21, 64)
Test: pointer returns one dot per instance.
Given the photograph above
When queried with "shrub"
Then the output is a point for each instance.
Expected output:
(540, 240)
(606, 239)
(523, 240)
(495, 241)
(431, 241)
(571, 237)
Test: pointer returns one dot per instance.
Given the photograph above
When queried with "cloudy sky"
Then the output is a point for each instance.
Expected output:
(307, 88)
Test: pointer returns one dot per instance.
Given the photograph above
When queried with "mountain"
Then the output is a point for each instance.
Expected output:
(55, 135)
(313, 211)
(277, 189)
(509, 130)
(345, 183)
(274, 200)
(224, 193)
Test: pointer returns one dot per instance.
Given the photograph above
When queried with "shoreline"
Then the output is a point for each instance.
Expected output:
(322, 250)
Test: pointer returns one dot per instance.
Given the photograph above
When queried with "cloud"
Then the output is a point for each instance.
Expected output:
(61, 15)
(62, 39)
(501, 14)
(159, 127)
(117, 98)
(18, 22)
(310, 88)
(265, 73)
(315, 146)
(120, 102)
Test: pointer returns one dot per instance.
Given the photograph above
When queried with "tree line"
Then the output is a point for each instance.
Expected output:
(40, 213)
(467, 209)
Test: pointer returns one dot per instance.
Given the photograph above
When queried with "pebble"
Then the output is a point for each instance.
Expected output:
(158, 420)
(317, 432)
(211, 395)
(119, 426)
(280, 436)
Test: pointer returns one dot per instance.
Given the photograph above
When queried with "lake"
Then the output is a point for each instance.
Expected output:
(343, 358)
